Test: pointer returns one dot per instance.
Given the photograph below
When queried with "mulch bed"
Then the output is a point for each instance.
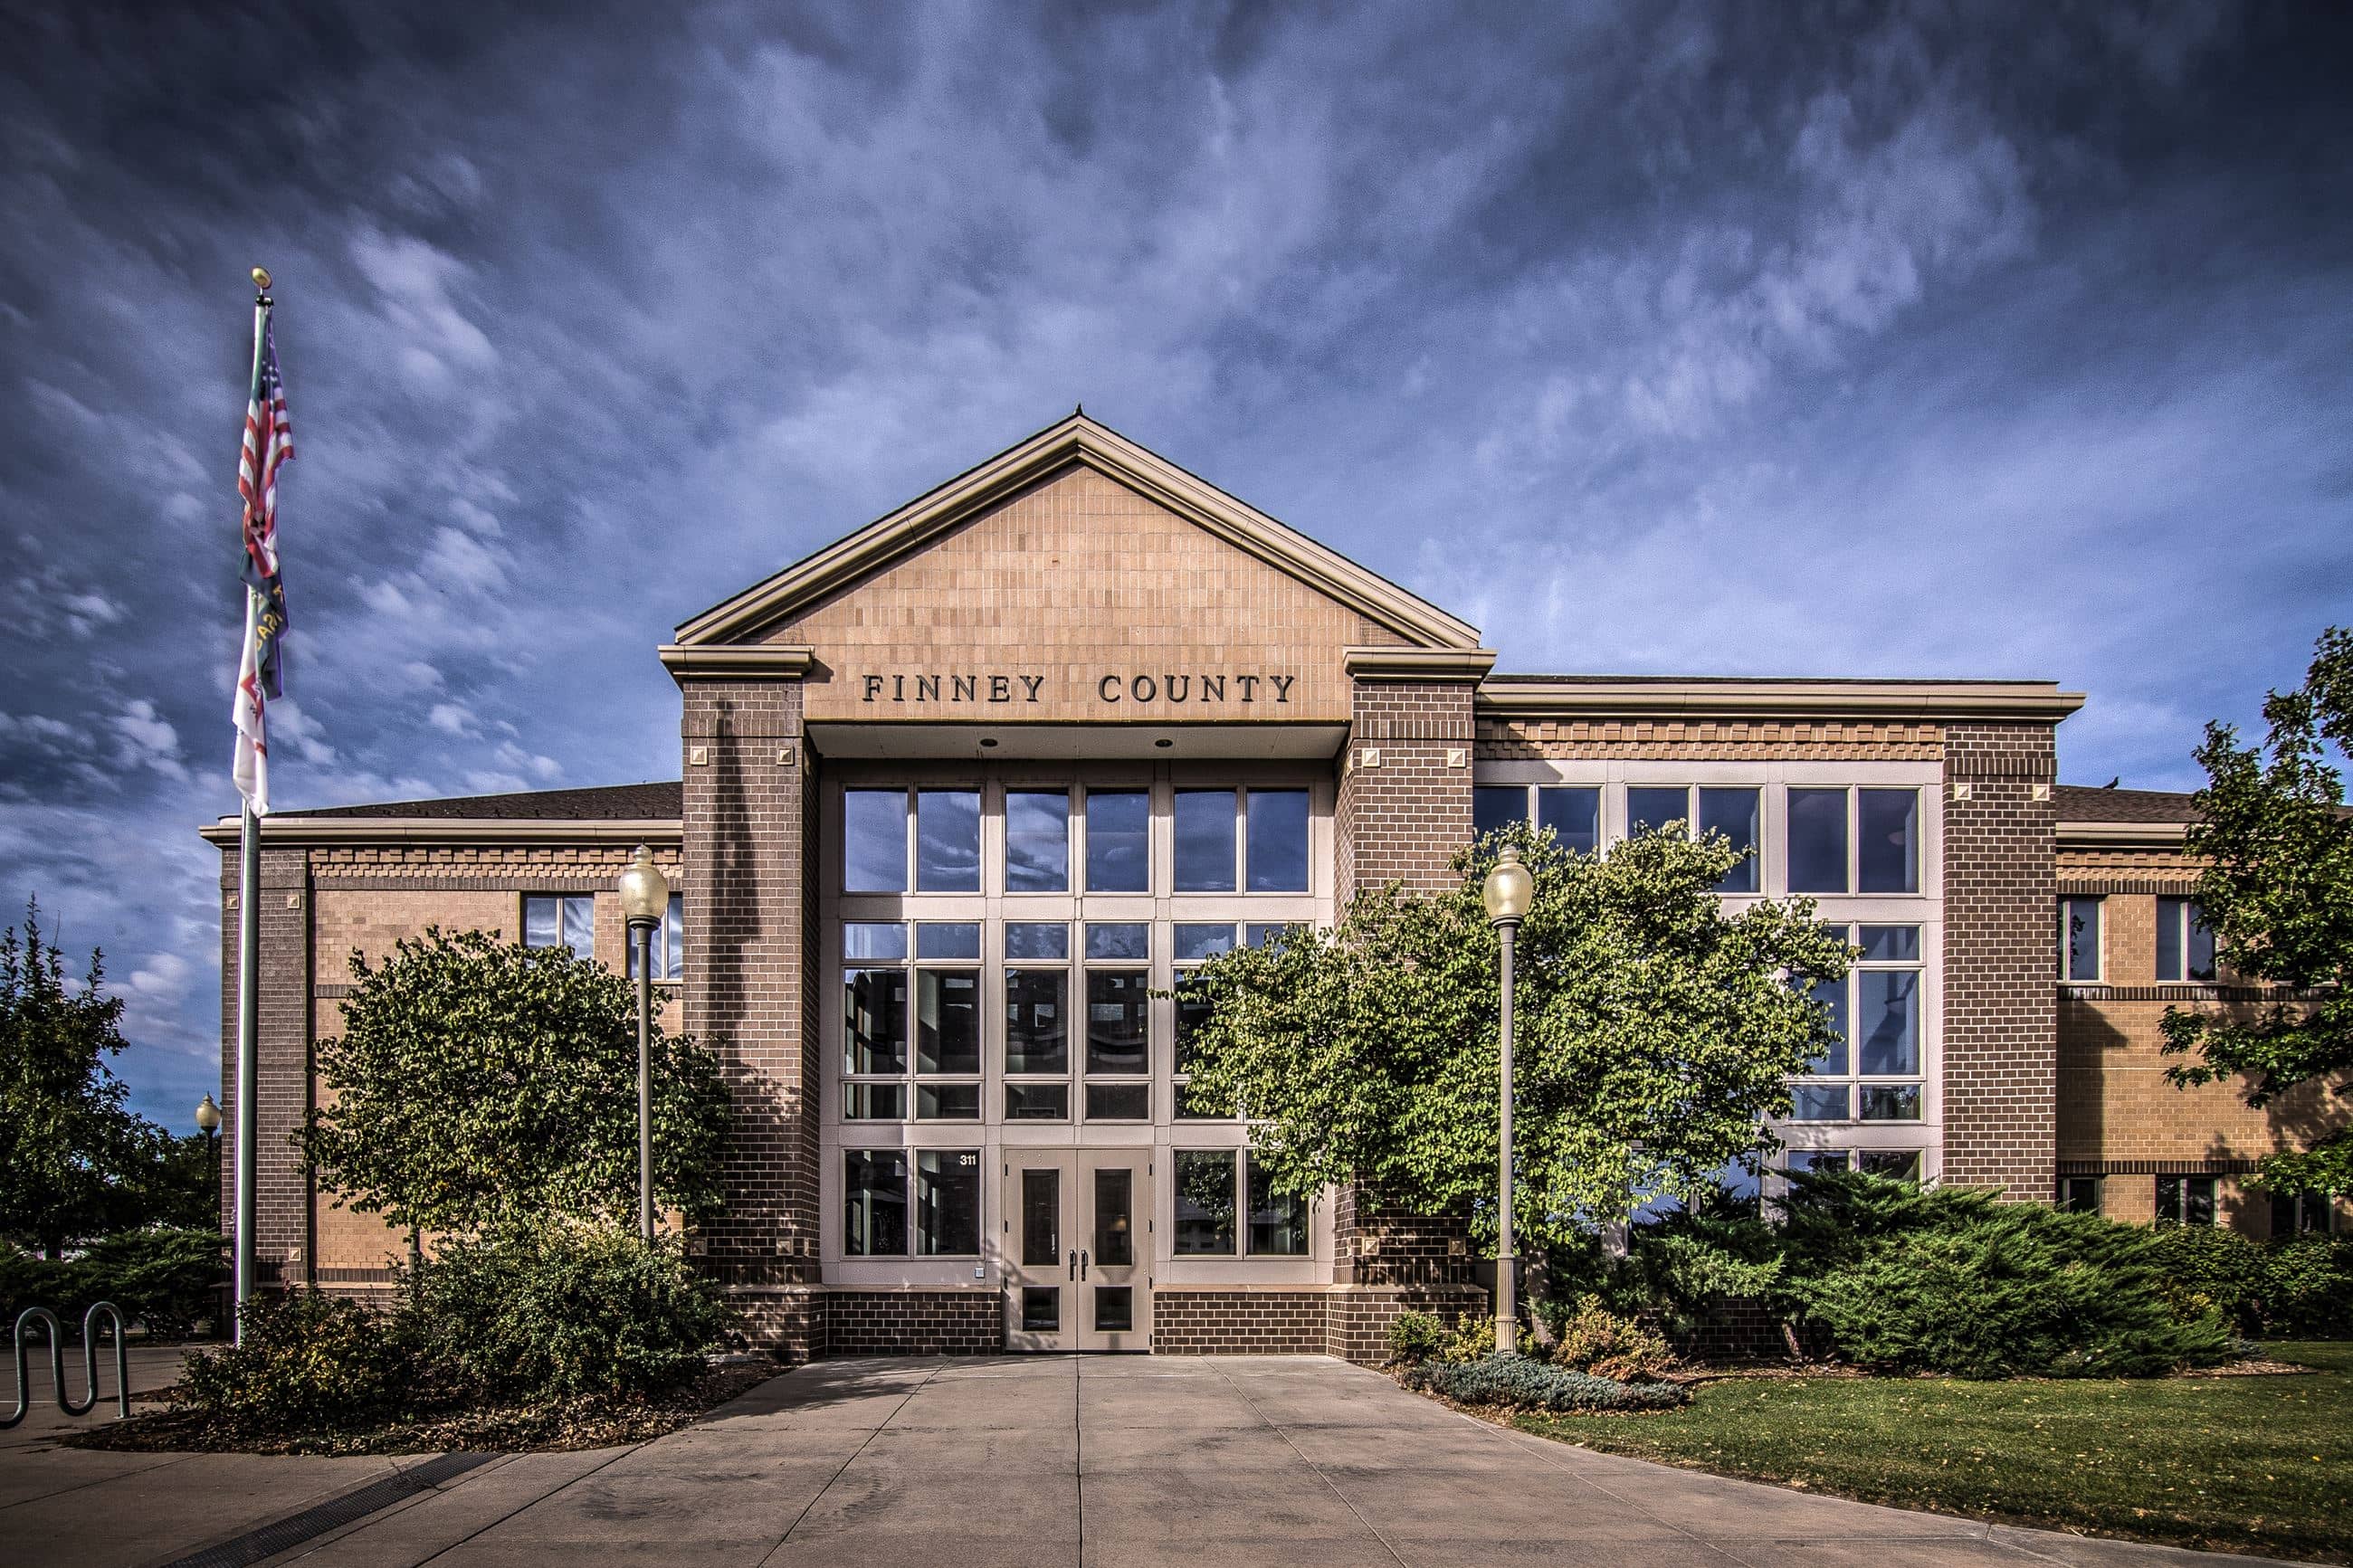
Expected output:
(548, 1426)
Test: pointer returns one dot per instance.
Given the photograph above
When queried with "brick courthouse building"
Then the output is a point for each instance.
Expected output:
(961, 791)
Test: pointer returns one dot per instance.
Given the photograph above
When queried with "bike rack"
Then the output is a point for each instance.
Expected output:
(58, 1364)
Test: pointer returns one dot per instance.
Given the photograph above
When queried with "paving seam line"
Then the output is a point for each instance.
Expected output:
(844, 1465)
(164, 1464)
(318, 1543)
(1346, 1502)
(291, 1531)
(519, 1507)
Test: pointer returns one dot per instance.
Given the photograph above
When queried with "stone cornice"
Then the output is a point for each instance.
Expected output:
(753, 662)
(2117, 834)
(2028, 701)
(1418, 663)
(289, 832)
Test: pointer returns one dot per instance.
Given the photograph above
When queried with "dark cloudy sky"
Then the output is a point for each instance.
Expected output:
(1844, 338)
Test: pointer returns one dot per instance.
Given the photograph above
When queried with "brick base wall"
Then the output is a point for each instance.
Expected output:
(914, 1322)
(1238, 1322)
(1356, 1317)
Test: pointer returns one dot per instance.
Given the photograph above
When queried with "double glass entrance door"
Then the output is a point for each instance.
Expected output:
(1078, 1248)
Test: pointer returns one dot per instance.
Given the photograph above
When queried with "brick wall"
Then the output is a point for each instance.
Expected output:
(284, 1242)
(1356, 1317)
(2000, 1043)
(913, 1322)
(1405, 817)
(748, 989)
(1238, 1322)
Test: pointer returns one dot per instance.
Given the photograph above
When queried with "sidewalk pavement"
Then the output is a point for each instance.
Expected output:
(1295, 1461)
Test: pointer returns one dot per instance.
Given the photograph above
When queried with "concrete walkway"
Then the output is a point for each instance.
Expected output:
(971, 1463)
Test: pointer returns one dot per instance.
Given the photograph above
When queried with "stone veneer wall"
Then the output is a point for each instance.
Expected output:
(2001, 1044)
(746, 835)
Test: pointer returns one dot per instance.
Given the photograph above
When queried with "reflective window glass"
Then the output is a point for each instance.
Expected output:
(1119, 1102)
(1890, 945)
(874, 1202)
(947, 1102)
(1256, 935)
(1041, 1218)
(1114, 1309)
(1036, 1021)
(1818, 1103)
(1114, 1216)
(1888, 840)
(1119, 939)
(1733, 813)
(947, 1202)
(1831, 993)
(947, 939)
(1278, 1220)
(1888, 1022)
(874, 840)
(1036, 939)
(1649, 807)
(1196, 941)
(673, 935)
(1807, 1161)
(1036, 1103)
(1192, 1011)
(947, 840)
(1119, 1034)
(1497, 805)
(1889, 1101)
(1278, 840)
(580, 926)
(1203, 831)
(873, 940)
(1817, 841)
(1119, 841)
(875, 1101)
(1573, 812)
(1205, 1201)
(2079, 939)
(947, 1020)
(1895, 1164)
(1036, 841)
(874, 1020)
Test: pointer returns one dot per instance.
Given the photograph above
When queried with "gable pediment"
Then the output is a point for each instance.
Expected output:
(1075, 576)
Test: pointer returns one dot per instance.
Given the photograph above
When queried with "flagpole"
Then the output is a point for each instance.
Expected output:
(248, 943)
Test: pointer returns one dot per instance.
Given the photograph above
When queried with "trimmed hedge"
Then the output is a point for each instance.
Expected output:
(164, 1277)
(1518, 1383)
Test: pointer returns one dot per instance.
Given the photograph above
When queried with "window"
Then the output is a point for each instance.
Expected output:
(1119, 841)
(669, 943)
(567, 921)
(2185, 1200)
(1037, 1020)
(1732, 813)
(1276, 847)
(1807, 1162)
(947, 840)
(1271, 1225)
(2079, 1195)
(1888, 840)
(2079, 939)
(1876, 1014)
(1649, 807)
(1193, 943)
(2185, 946)
(2302, 1214)
(874, 840)
(1573, 812)
(1036, 841)
(1817, 841)
(1895, 1164)
(876, 1204)
(1206, 840)
(1119, 1020)
(926, 1015)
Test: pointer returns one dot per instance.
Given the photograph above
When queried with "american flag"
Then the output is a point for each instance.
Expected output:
(260, 675)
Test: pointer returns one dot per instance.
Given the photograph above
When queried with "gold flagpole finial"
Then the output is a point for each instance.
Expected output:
(261, 277)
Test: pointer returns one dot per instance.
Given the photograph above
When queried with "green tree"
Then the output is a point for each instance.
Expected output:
(75, 1161)
(1654, 1034)
(478, 1082)
(2277, 891)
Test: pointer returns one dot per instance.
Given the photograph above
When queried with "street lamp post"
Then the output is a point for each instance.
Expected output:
(208, 1120)
(645, 901)
(1510, 888)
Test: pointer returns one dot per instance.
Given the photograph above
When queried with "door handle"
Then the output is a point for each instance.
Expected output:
(1074, 1263)
(1082, 1265)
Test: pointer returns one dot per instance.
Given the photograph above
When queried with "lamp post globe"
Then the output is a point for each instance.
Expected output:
(207, 1117)
(1508, 891)
(645, 902)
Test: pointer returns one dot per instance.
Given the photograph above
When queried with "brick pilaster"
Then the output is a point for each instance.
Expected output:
(2001, 1044)
(284, 1252)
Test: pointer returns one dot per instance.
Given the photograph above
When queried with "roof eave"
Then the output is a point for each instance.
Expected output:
(1927, 701)
(291, 832)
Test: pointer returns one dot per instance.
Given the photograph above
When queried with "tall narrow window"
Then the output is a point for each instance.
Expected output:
(947, 840)
(1036, 841)
(1497, 805)
(1193, 943)
(1119, 841)
(1733, 813)
(2079, 939)
(1205, 840)
(874, 840)
(2185, 945)
(1888, 840)
(1817, 841)
(947, 1201)
(1118, 1022)
(1278, 1220)
(668, 943)
(874, 1202)
(1205, 1202)
(1277, 846)
(1036, 1021)
(549, 921)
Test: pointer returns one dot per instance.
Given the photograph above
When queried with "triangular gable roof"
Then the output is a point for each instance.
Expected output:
(1074, 440)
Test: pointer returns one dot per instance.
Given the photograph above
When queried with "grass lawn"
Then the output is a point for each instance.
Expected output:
(2249, 1463)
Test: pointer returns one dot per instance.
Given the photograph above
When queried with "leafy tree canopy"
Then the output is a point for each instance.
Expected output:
(75, 1161)
(477, 1082)
(1654, 1031)
(2277, 891)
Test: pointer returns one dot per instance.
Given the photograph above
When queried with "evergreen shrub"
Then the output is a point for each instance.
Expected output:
(162, 1276)
(1521, 1382)
(1415, 1336)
